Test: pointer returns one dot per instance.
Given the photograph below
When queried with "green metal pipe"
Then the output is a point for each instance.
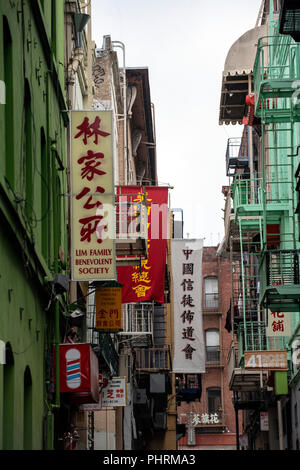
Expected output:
(293, 187)
(243, 283)
(271, 13)
(263, 137)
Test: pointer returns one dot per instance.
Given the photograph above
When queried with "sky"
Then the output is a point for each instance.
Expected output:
(184, 45)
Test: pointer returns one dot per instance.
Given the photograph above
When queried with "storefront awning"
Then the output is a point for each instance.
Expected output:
(235, 79)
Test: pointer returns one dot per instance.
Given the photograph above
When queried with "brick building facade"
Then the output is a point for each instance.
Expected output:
(210, 420)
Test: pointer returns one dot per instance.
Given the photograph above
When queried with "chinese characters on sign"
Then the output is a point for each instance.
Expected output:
(92, 202)
(109, 308)
(205, 418)
(114, 394)
(264, 421)
(189, 353)
(146, 282)
(266, 360)
(279, 324)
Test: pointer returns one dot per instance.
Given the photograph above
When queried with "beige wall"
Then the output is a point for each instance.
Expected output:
(105, 429)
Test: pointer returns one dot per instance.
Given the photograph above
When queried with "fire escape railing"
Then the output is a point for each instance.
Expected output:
(282, 267)
(252, 336)
(274, 76)
(246, 191)
(236, 155)
(153, 359)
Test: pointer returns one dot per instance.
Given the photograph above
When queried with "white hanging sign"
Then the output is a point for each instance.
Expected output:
(279, 324)
(189, 349)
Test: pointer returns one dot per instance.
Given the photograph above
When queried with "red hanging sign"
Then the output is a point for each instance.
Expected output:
(147, 282)
(79, 370)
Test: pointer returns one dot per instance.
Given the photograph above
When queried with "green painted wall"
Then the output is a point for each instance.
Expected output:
(32, 208)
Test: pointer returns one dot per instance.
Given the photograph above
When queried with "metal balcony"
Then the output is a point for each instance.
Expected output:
(236, 156)
(251, 336)
(241, 379)
(247, 195)
(280, 280)
(276, 69)
(289, 20)
(188, 387)
(138, 323)
(131, 219)
(250, 196)
(153, 359)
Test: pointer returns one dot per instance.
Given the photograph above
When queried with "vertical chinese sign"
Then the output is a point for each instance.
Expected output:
(92, 202)
(147, 282)
(279, 324)
(189, 350)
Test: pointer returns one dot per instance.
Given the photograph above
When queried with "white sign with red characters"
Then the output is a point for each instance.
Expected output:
(279, 324)
(114, 394)
(93, 201)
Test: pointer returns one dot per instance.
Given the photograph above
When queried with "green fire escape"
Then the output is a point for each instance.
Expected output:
(265, 201)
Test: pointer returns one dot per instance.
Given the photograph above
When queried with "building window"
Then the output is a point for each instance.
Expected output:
(212, 341)
(213, 400)
(211, 293)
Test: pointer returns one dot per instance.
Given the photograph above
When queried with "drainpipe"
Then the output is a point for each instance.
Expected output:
(74, 65)
(271, 31)
(122, 46)
(154, 140)
(250, 147)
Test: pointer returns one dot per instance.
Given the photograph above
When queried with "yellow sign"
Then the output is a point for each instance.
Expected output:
(266, 360)
(109, 309)
(92, 202)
